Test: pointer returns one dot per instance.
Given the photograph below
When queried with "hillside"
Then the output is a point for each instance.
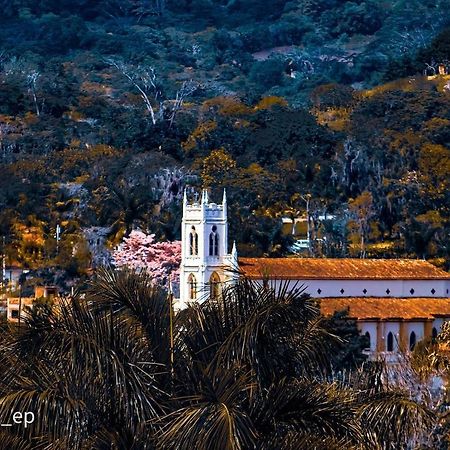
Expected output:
(108, 109)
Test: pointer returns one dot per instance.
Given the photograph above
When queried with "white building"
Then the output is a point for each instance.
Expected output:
(205, 261)
(396, 302)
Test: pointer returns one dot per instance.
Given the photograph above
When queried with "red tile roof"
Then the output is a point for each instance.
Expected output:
(381, 308)
(341, 269)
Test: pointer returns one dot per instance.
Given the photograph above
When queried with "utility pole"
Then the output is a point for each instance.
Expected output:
(306, 198)
(3, 262)
(20, 303)
(58, 237)
(170, 298)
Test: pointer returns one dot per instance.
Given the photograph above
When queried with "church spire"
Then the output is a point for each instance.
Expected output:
(185, 202)
(234, 254)
(205, 196)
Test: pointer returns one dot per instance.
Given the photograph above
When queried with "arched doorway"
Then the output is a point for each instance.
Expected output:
(412, 340)
(192, 287)
(390, 342)
(368, 339)
(214, 285)
(434, 334)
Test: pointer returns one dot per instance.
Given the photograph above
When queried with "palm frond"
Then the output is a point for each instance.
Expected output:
(215, 419)
(135, 295)
(391, 416)
(309, 406)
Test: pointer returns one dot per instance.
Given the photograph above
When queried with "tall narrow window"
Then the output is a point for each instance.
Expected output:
(192, 287)
(434, 334)
(193, 242)
(390, 342)
(368, 339)
(214, 285)
(214, 242)
(412, 340)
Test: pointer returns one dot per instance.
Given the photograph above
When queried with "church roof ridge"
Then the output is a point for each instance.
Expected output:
(341, 269)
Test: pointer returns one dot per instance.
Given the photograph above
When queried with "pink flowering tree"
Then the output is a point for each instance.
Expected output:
(140, 251)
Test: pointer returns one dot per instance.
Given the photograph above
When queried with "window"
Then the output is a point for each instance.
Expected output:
(390, 342)
(214, 285)
(193, 242)
(368, 339)
(214, 242)
(192, 286)
(434, 333)
(412, 340)
(14, 314)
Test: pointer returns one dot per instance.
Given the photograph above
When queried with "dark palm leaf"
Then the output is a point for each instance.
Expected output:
(214, 419)
(308, 406)
(294, 440)
(276, 331)
(392, 416)
(9, 441)
(134, 294)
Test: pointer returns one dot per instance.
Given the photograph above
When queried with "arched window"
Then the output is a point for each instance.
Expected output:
(214, 285)
(434, 333)
(368, 339)
(412, 340)
(390, 342)
(214, 242)
(193, 242)
(192, 286)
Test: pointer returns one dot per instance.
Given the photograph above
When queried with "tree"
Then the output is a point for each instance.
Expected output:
(140, 251)
(217, 167)
(362, 209)
(249, 370)
(145, 81)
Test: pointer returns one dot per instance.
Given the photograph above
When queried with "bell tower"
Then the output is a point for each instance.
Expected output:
(205, 261)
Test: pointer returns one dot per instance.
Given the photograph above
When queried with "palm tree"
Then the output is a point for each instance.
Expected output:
(251, 371)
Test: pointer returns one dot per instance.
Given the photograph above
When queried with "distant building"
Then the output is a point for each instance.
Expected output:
(11, 276)
(395, 302)
(298, 228)
(17, 306)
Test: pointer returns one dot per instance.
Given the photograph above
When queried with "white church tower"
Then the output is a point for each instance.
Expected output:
(205, 261)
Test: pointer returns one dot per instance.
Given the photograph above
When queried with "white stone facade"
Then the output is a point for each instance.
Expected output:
(205, 260)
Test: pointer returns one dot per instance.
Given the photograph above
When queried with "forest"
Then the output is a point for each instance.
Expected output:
(109, 109)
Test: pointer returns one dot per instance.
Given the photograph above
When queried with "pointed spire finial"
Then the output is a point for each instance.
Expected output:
(234, 257)
(205, 196)
(185, 196)
(224, 199)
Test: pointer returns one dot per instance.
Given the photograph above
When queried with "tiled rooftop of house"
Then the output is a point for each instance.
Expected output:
(341, 269)
(380, 308)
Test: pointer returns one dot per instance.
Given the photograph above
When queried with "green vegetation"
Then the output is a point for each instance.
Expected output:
(251, 370)
(108, 109)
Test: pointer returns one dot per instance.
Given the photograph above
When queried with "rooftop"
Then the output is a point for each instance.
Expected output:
(341, 269)
(23, 300)
(380, 308)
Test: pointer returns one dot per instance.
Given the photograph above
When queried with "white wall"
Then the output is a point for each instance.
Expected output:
(371, 328)
(374, 288)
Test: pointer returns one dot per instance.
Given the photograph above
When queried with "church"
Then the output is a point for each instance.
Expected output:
(395, 302)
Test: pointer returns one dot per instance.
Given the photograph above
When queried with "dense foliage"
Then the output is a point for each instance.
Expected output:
(251, 370)
(109, 108)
